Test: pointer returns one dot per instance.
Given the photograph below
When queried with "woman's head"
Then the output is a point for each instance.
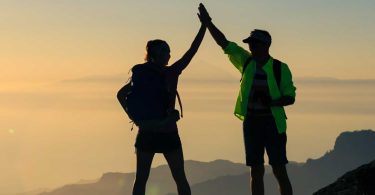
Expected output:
(158, 52)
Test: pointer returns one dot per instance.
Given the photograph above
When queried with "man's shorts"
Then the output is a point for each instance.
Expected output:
(260, 133)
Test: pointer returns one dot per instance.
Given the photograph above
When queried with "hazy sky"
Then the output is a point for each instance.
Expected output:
(62, 62)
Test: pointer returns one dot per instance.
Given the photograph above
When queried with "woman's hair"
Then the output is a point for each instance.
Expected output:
(153, 48)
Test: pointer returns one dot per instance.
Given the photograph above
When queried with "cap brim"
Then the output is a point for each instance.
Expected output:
(247, 40)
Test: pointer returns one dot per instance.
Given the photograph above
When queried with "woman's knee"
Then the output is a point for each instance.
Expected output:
(182, 184)
(141, 176)
(257, 171)
(179, 175)
(140, 180)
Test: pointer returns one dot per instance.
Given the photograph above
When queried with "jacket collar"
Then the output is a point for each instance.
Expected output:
(269, 65)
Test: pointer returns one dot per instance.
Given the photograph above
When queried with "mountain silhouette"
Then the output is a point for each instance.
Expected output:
(222, 177)
(31, 192)
(160, 181)
(351, 150)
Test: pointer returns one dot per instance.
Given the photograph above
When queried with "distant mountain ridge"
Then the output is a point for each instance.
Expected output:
(222, 177)
(160, 181)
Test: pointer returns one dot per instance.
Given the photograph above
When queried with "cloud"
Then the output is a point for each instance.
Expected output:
(121, 77)
(334, 81)
(115, 78)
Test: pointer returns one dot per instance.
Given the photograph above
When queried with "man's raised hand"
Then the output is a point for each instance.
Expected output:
(203, 15)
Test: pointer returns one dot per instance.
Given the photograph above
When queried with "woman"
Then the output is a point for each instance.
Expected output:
(155, 84)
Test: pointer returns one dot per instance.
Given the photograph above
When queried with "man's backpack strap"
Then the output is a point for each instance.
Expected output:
(277, 71)
(245, 66)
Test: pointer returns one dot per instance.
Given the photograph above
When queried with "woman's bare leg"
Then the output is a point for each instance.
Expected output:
(144, 160)
(175, 161)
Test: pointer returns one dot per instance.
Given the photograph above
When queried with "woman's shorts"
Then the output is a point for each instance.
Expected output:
(158, 142)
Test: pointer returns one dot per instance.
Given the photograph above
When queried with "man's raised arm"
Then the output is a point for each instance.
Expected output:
(215, 32)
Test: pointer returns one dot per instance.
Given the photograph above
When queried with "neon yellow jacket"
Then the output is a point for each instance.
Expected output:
(237, 55)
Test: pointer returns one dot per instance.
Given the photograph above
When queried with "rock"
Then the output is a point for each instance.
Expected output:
(360, 181)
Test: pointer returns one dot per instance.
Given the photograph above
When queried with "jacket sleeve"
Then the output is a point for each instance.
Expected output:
(237, 55)
(287, 87)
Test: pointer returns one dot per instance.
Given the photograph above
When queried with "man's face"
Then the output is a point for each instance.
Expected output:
(258, 48)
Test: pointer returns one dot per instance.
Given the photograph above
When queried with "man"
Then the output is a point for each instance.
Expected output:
(260, 103)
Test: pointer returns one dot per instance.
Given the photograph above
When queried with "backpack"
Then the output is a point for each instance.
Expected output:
(276, 70)
(122, 96)
(135, 107)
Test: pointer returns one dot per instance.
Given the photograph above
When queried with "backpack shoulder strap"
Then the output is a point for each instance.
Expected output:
(277, 71)
(245, 66)
(180, 103)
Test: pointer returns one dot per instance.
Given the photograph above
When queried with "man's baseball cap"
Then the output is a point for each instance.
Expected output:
(260, 35)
